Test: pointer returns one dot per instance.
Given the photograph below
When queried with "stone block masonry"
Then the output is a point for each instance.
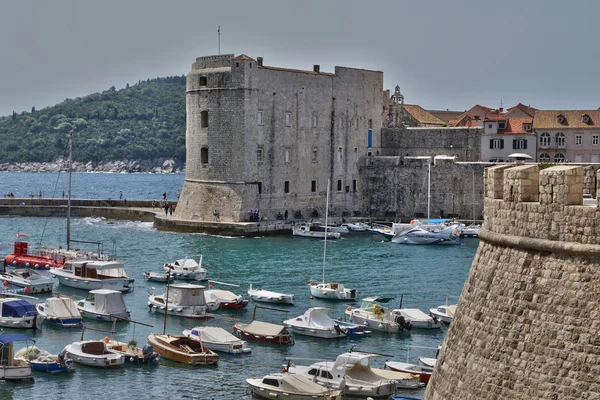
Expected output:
(528, 320)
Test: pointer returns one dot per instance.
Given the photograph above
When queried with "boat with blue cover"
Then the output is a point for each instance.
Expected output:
(18, 313)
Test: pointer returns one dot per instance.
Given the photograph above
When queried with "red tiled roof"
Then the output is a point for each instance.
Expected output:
(514, 126)
(244, 58)
(526, 109)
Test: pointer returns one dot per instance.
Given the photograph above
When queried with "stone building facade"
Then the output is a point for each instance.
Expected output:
(269, 139)
(527, 322)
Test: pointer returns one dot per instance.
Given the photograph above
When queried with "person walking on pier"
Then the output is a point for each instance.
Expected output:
(166, 209)
(165, 196)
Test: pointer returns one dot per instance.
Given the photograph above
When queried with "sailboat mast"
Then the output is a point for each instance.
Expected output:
(167, 301)
(326, 217)
(428, 188)
(70, 162)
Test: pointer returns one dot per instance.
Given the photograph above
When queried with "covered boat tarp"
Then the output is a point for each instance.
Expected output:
(413, 313)
(14, 337)
(17, 309)
(223, 296)
(451, 310)
(264, 328)
(213, 334)
(300, 384)
(62, 307)
(107, 301)
(187, 264)
(315, 317)
(186, 294)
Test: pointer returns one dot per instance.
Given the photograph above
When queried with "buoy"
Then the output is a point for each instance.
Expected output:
(27, 290)
(309, 297)
(349, 308)
(5, 283)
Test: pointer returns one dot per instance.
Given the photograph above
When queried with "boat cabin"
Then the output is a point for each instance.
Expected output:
(186, 294)
(106, 301)
(96, 269)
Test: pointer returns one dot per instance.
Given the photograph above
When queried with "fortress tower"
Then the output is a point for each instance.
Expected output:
(528, 320)
(266, 138)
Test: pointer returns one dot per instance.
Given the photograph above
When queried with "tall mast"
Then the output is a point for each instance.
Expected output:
(428, 187)
(70, 162)
(325, 242)
(167, 301)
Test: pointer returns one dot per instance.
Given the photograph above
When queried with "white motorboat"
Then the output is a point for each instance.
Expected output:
(428, 361)
(93, 274)
(11, 367)
(471, 231)
(329, 228)
(382, 230)
(291, 387)
(59, 311)
(224, 299)
(185, 300)
(351, 373)
(449, 235)
(329, 290)
(308, 230)
(94, 353)
(29, 279)
(356, 227)
(445, 312)
(187, 269)
(18, 313)
(316, 323)
(103, 305)
(218, 339)
(266, 296)
(424, 373)
(373, 315)
(417, 318)
(158, 277)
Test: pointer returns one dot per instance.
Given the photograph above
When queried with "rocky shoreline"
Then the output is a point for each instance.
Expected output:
(157, 166)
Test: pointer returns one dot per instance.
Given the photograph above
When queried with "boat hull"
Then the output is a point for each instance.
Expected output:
(273, 393)
(331, 294)
(233, 305)
(103, 317)
(52, 367)
(63, 322)
(357, 316)
(34, 287)
(316, 234)
(67, 279)
(173, 353)
(193, 312)
(15, 373)
(100, 360)
(285, 299)
(30, 322)
(424, 373)
(280, 339)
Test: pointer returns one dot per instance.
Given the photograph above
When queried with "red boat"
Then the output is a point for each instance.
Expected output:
(263, 332)
(22, 259)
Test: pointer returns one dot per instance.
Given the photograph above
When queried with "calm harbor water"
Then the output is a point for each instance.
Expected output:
(424, 275)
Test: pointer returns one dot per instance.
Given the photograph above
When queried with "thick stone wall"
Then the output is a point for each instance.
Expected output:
(464, 143)
(397, 188)
(527, 322)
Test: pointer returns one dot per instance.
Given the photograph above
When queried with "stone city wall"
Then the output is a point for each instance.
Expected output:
(527, 322)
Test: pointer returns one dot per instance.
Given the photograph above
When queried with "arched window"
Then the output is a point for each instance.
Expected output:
(559, 157)
(560, 139)
(204, 155)
(545, 139)
(204, 119)
(203, 81)
(544, 157)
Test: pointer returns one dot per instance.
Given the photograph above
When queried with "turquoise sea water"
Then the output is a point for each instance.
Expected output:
(425, 275)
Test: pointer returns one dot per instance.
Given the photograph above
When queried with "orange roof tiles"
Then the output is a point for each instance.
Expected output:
(546, 119)
(422, 116)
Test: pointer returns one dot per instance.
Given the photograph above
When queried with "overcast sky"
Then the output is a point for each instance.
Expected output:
(443, 54)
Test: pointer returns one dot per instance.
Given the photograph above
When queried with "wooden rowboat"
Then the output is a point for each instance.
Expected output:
(182, 349)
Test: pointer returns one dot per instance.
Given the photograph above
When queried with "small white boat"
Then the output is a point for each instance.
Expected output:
(187, 269)
(308, 230)
(291, 387)
(12, 368)
(103, 305)
(428, 361)
(185, 300)
(356, 227)
(351, 373)
(441, 235)
(373, 315)
(330, 228)
(316, 322)
(266, 296)
(93, 274)
(29, 279)
(18, 313)
(94, 353)
(218, 339)
(43, 361)
(60, 311)
(331, 291)
(445, 312)
(471, 231)
(424, 373)
(158, 277)
(132, 353)
(417, 318)
(382, 230)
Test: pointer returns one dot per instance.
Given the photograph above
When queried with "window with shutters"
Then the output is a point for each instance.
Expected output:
(519, 144)
(496, 143)
(595, 140)
(578, 140)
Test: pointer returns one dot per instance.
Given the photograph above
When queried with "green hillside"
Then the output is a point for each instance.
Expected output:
(144, 121)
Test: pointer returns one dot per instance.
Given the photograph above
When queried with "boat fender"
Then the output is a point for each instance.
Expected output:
(310, 281)
(283, 370)
(349, 308)
(106, 339)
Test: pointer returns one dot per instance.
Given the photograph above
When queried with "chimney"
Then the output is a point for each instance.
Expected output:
(316, 68)
(259, 60)
(501, 109)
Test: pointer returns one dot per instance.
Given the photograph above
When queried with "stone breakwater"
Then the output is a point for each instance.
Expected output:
(159, 166)
(527, 322)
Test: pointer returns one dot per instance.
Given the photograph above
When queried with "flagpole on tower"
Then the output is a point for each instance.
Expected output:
(219, 34)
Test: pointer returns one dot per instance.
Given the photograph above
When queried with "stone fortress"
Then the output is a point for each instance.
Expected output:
(528, 320)
(269, 139)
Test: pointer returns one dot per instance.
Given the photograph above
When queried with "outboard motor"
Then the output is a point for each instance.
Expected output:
(353, 293)
(147, 349)
(339, 330)
(402, 323)
(61, 357)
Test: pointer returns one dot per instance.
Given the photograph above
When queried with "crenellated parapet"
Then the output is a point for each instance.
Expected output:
(547, 204)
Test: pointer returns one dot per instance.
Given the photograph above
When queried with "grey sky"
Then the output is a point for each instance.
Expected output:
(443, 54)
